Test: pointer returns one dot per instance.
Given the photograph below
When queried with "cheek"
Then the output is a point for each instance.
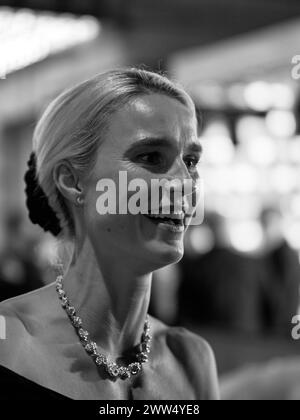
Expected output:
(107, 225)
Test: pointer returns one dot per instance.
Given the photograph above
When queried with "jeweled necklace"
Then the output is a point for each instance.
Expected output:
(113, 369)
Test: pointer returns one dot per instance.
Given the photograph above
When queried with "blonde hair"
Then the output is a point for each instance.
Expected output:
(74, 124)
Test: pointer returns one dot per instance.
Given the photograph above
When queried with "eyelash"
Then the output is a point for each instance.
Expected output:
(193, 159)
(140, 157)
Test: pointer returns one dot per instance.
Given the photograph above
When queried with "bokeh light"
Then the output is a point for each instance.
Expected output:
(27, 37)
(246, 236)
(281, 123)
(258, 96)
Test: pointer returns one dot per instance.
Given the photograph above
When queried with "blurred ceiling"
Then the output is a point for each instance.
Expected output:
(156, 28)
(264, 54)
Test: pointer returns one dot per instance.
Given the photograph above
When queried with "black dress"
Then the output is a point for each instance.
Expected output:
(16, 387)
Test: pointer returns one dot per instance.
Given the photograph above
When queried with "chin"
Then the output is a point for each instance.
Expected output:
(166, 255)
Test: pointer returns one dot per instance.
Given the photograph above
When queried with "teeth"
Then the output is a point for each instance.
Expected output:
(167, 216)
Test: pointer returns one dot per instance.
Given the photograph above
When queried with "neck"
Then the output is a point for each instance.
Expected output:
(111, 299)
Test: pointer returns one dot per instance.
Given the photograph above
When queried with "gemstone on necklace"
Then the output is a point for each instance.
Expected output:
(71, 310)
(142, 357)
(101, 360)
(58, 287)
(124, 372)
(135, 368)
(91, 347)
(145, 347)
(64, 302)
(146, 337)
(113, 369)
(83, 334)
(76, 321)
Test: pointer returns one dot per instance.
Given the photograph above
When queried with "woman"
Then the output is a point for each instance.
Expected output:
(88, 335)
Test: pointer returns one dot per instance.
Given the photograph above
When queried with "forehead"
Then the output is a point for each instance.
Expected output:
(153, 116)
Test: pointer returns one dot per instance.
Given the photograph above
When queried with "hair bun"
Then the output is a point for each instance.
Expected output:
(40, 212)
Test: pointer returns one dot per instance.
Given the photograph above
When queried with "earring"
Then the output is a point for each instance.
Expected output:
(79, 200)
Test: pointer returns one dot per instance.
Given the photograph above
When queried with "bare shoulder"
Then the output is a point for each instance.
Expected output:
(195, 357)
(184, 343)
(17, 322)
(11, 316)
(13, 332)
(189, 346)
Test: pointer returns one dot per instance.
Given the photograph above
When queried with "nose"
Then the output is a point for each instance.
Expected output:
(184, 187)
(179, 170)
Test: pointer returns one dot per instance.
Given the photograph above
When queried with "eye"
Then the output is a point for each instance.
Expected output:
(151, 158)
(192, 162)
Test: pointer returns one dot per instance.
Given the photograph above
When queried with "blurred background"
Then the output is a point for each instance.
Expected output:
(238, 284)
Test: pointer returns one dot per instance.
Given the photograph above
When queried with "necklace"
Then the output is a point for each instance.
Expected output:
(113, 369)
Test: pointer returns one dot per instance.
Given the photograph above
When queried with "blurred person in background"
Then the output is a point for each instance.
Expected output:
(282, 272)
(19, 272)
(222, 288)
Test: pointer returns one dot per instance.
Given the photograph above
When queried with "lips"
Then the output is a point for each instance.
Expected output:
(170, 218)
(173, 221)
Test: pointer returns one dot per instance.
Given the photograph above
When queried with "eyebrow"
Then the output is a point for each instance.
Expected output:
(161, 142)
(196, 147)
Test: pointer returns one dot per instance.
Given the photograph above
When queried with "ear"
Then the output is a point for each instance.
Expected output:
(67, 181)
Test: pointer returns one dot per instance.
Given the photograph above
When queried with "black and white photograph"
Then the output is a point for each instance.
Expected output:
(149, 203)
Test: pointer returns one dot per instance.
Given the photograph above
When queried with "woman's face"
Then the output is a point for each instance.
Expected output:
(153, 137)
